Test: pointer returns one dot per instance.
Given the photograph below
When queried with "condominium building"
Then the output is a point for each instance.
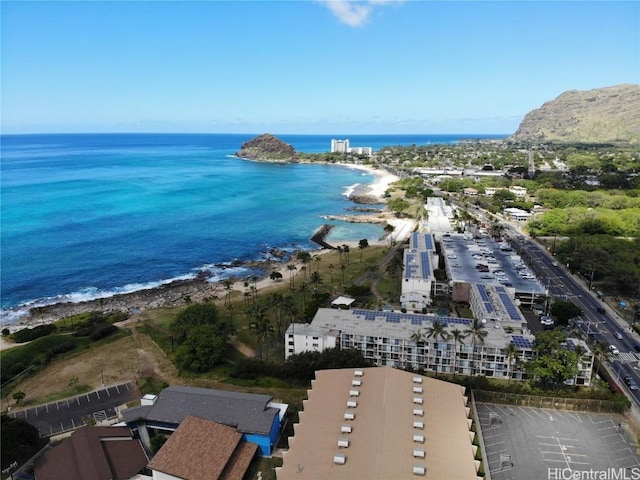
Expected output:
(381, 423)
(402, 340)
(339, 146)
(418, 278)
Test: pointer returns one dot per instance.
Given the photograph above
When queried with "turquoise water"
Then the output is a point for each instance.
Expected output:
(92, 215)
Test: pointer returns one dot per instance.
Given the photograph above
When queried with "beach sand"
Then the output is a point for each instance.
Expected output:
(183, 292)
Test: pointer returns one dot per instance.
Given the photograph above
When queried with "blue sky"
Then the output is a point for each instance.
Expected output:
(325, 67)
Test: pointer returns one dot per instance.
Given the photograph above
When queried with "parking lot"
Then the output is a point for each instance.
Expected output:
(463, 253)
(71, 413)
(533, 443)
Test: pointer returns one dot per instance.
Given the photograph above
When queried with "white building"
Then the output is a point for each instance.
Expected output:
(304, 337)
(339, 146)
(519, 192)
(342, 146)
(399, 340)
(418, 277)
(517, 214)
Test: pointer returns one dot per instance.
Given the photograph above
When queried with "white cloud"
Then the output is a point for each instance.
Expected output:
(355, 13)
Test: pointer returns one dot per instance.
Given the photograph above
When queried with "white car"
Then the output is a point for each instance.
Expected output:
(614, 350)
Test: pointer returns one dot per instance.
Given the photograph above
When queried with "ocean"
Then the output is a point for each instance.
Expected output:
(92, 215)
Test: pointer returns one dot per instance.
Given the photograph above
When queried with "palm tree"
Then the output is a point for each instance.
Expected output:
(227, 284)
(291, 267)
(343, 267)
(512, 359)
(478, 332)
(303, 290)
(331, 267)
(437, 330)
(261, 327)
(316, 279)
(345, 249)
(304, 257)
(317, 259)
(362, 244)
(458, 338)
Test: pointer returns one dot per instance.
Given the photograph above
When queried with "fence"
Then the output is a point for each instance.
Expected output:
(558, 403)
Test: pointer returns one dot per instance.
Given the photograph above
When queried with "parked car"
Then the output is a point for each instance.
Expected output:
(631, 383)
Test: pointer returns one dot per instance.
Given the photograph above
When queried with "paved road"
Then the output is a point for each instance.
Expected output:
(71, 413)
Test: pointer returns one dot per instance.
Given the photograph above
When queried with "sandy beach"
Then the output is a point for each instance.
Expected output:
(199, 289)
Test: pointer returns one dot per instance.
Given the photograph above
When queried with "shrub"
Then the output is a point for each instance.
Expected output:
(28, 334)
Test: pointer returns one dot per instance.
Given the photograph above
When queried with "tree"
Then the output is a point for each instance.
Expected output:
(227, 284)
(552, 363)
(304, 257)
(331, 267)
(19, 441)
(202, 349)
(458, 338)
(261, 327)
(438, 330)
(18, 396)
(291, 267)
(564, 311)
(362, 244)
(315, 279)
(195, 315)
(478, 332)
(398, 205)
(275, 276)
(512, 358)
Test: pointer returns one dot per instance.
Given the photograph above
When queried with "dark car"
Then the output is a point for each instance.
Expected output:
(636, 347)
(601, 309)
(631, 383)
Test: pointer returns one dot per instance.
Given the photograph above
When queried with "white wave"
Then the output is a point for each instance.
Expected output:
(348, 191)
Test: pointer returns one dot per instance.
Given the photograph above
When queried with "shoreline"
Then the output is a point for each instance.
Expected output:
(181, 292)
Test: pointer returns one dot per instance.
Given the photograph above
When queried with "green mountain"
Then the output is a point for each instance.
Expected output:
(602, 115)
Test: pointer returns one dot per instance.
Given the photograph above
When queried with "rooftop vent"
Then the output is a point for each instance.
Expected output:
(418, 438)
(418, 412)
(341, 458)
(356, 383)
(358, 373)
(417, 389)
(352, 404)
(419, 425)
(343, 442)
(354, 393)
(349, 415)
(418, 453)
(417, 379)
(419, 470)
(417, 400)
(345, 428)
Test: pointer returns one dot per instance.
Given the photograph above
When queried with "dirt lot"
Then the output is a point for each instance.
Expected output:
(122, 360)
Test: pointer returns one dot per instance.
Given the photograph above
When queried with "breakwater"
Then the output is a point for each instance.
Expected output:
(320, 234)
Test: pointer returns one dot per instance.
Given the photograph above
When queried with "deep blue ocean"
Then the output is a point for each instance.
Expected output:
(91, 215)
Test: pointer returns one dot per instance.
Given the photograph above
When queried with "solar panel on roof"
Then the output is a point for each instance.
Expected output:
(483, 293)
(488, 307)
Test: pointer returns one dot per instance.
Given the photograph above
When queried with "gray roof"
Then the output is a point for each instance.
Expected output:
(248, 412)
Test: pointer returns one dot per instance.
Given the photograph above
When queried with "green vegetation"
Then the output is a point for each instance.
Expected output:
(201, 337)
(20, 441)
(552, 364)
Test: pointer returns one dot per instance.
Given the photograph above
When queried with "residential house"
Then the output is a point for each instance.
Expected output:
(93, 453)
(201, 450)
(257, 417)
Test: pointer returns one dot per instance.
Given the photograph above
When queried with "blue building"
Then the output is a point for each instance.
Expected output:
(255, 416)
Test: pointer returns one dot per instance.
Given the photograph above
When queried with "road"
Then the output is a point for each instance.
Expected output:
(597, 322)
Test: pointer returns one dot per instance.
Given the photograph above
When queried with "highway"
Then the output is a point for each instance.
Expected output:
(597, 321)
